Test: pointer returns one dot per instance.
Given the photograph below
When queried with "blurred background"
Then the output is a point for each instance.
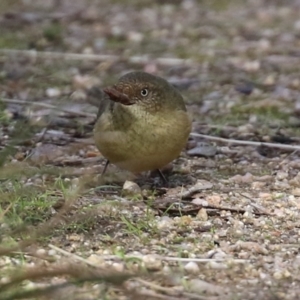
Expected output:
(219, 53)
(237, 64)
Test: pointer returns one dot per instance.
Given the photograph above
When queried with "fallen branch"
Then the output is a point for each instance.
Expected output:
(165, 258)
(203, 260)
(164, 61)
(247, 143)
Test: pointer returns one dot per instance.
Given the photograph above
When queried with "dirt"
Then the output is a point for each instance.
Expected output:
(226, 226)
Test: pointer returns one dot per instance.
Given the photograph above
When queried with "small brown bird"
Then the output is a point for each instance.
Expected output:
(142, 123)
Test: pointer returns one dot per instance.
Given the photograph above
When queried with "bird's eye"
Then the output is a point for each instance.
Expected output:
(144, 92)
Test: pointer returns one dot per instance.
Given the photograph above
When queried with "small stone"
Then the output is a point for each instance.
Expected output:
(192, 268)
(85, 81)
(199, 201)
(130, 188)
(135, 37)
(297, 25)
(296, 192)
(53, 92)
(99, 44)
(202, 215)
(281, 175)
(243, 255)
(201, 287)
(277, 275)
(4, 280)
(164, 223)
(247, 178)
(245, 128)
(218, 265)
(265, 196)
(51, 252)
(270, 80)
(214, 200)
(286, 274)
(258, 185)
(96, 260)
(264, 178)
(281, 185)
(74, 237)
(41, 252)
(251, 66)
(152, 262)
(45, 153)
(203, 149)
(119, 267)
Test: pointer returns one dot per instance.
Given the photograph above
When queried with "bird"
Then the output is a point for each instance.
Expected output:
(142, 123)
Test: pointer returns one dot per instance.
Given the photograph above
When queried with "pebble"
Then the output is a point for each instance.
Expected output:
(46, 153)
(281, 175)
(130, 188)
(152, 262)
(281, 185)
(119, 267)
(202, 287)
(203, 149)
(52, 92)
(96, 260)
(165, 223)
(202, 215)
(214, 200)
(251, 66)
(192, 268)
(134, 36)
(199, 201)
(296, 192)
(247, 178)
(258, 185)
(217, 265)
(41, 252)
(265, 196)
(51, 252)
(85, 81)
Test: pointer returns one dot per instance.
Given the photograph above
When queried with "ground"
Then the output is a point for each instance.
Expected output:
(226, 226)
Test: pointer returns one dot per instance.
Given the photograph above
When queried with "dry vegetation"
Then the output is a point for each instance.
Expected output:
(227, 225)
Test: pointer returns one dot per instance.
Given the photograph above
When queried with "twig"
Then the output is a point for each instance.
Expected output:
(66, 253)
(259, 209)
(3, 213)
(78, 162)
(166, 258)
(164, 61)
(203, 260)
(47, 105)
(248, 143)
(236, 209)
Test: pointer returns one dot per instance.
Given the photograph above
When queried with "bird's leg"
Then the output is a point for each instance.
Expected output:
(105, 167)
(162, 176)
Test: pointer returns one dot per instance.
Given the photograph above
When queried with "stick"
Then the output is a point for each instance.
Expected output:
(203, 260)
(72, 255)
(164, 61)
(248, 143)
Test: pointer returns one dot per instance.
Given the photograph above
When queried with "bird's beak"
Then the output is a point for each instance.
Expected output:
(116, 96)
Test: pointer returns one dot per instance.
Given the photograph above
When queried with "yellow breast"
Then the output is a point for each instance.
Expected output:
(147, 141)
